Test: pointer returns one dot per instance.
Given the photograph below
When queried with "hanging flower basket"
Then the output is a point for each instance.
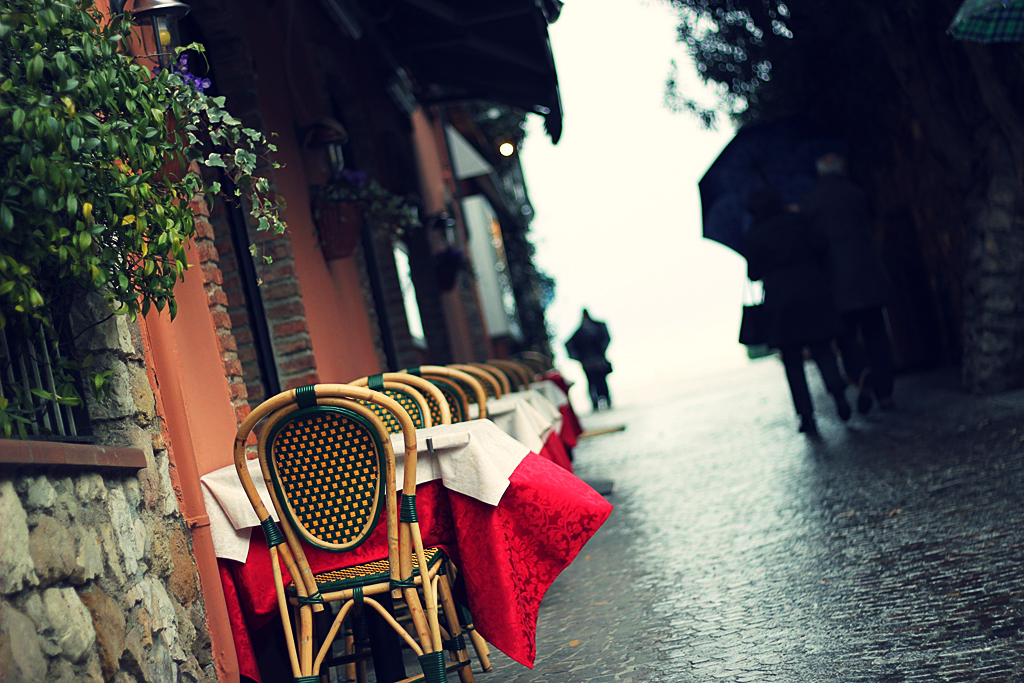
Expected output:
(339, 225)
(448, 264)
(383, 212)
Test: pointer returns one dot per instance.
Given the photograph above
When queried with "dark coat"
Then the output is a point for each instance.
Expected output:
(588, 345)
(788, 256)
(838, 209)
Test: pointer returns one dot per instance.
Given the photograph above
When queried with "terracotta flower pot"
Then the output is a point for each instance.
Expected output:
(339, 225)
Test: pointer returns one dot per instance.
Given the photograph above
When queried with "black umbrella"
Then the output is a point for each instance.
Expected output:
(778, 154)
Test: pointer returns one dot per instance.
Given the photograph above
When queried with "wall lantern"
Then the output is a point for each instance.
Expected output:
(507, 149)
(161, 16)
(329, 135)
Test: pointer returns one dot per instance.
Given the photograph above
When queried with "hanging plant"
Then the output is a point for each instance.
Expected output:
(86, 134)
(385, 213)
(448, 264)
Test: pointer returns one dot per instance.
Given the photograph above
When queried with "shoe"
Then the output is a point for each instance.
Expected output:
(865, 397)
(808, 426)
(842, 407)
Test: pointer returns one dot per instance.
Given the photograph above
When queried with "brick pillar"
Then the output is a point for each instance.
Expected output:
(209, 263)
(292, 347)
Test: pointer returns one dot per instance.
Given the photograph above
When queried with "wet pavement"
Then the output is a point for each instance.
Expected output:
(888, 550)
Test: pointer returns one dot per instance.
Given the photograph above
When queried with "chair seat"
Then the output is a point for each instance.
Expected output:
(366, 574)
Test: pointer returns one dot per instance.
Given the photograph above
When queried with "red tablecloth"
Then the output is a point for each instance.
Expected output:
(571, 427)
(509, 555)
(554, 450)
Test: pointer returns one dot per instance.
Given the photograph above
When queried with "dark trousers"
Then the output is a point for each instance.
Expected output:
(793, 360)
(597, 383)
(865, 345)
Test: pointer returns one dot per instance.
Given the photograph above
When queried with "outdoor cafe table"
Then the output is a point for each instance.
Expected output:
(531, 419)
(509, 548)
(556, 389)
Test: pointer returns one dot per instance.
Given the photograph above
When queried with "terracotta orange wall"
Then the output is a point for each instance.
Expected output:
(429, 160)
(335, 310)
(188, 361)
(431, 157)
(194, 401)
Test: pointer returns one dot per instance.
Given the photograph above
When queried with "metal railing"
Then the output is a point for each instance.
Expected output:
(35, 363)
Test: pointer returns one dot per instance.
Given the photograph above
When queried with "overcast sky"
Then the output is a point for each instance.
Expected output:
(618, 212)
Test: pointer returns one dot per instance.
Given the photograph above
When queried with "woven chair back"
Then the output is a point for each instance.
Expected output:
(527, 371)
(458, 404)
(327, 464)
(491, 385)
(519, 375)
(429, 398)
(460, 388)
(498, 374)
(538, 361)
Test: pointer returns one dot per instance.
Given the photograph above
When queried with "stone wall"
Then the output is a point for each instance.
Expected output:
(97, 575)
(994, 312)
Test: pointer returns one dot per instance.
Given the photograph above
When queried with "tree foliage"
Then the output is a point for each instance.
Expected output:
(734, 45)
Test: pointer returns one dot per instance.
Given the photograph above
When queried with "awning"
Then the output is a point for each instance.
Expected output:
(459, 50)
(466, 161)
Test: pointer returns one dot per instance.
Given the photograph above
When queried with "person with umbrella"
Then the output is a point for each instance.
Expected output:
(861, 287)
(789, 257)
(588, 345)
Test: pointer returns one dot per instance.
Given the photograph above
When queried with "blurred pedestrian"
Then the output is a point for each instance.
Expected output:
(790, 259)
(838, 209)
(588, 345)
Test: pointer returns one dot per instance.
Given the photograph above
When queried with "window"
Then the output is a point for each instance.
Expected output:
(412, 309)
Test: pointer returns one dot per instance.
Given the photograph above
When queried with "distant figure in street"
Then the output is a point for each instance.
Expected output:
(587, 345)
(790, 258)
(838, 209)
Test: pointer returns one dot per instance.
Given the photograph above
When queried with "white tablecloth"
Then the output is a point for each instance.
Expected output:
(475, 458)
(526, 416)
(551, 392)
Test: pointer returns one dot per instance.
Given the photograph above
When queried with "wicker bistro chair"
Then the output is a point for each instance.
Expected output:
(441, 408)
(436, 403)
(521, 376)
(490, 384)
(423, 401)
(504, 381)
(329, 468)
(538, 361)
(460, 389)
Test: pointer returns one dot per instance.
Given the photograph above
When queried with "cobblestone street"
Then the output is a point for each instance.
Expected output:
(739, 550)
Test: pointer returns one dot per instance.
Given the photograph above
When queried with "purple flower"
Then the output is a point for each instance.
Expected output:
(356, 178)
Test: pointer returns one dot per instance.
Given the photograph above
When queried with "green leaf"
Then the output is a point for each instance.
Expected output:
(215, 160)
(35, 69)
(45, 395)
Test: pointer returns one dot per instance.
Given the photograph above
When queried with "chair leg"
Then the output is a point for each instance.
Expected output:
(451, 615)
(483, 651)
(434, 670)
(350, 649)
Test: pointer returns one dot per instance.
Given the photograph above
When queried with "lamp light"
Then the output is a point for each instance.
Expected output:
(162, 17)
(507, 149)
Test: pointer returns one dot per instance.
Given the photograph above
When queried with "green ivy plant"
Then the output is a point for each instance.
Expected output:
(98, 159)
